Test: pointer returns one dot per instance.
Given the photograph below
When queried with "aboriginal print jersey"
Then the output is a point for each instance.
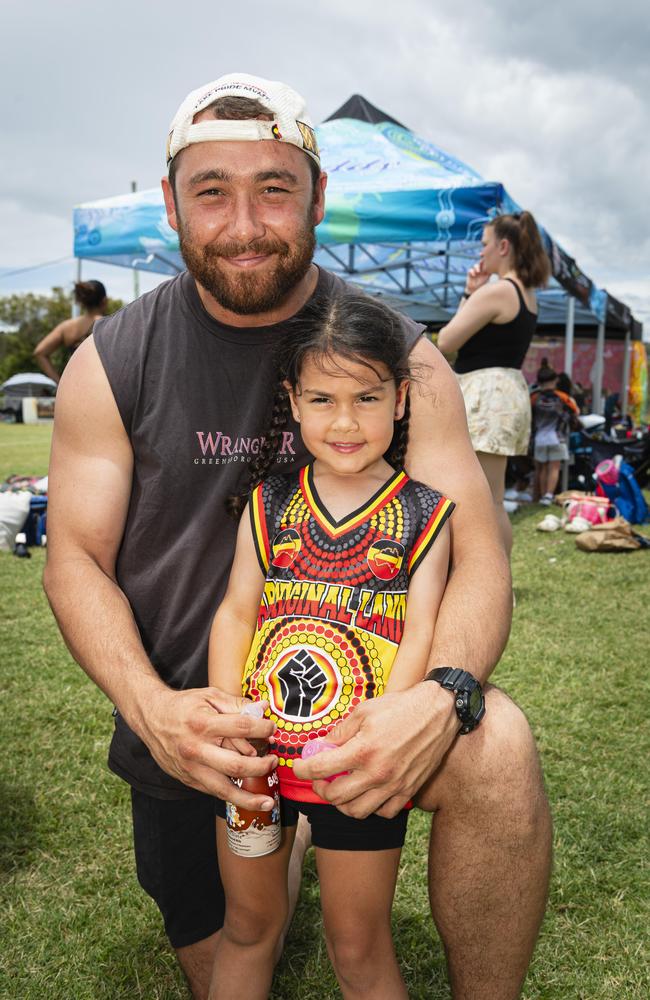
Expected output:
(334, 603)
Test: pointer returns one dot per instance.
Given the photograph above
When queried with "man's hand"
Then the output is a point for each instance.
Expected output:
(389, 746)
(185, 732)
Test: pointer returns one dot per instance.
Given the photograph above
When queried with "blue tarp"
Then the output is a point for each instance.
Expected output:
(414, 212)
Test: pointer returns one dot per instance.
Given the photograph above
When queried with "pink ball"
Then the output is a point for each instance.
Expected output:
(317, 746)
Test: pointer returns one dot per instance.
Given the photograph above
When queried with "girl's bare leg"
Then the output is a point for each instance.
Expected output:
(357, 889)
(494, 467)
(257, 905)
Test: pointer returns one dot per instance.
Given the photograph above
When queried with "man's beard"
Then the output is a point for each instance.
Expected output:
(248, 293)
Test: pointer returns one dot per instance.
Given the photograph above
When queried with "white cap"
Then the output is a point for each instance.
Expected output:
(291, 123)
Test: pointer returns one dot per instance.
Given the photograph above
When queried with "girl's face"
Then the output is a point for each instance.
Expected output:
(347, 413)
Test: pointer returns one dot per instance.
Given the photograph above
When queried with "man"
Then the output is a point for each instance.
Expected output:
(156, 418)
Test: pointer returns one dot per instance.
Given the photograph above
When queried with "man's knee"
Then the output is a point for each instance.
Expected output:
(497, 764)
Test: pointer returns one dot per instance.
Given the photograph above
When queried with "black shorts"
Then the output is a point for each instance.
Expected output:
(176, 860)
(333, 831)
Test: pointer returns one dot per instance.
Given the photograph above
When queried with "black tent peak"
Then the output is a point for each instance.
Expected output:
(361, 109)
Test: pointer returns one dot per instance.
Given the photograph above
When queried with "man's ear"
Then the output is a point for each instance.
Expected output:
(291, 393)
(400, 399)
(318, 207)
(170, 203)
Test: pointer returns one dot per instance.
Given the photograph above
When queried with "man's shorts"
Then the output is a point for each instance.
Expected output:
(551, 453)
(333, 831)
(176, 860)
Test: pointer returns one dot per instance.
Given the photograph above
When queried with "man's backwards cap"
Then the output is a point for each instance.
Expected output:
(290, 121)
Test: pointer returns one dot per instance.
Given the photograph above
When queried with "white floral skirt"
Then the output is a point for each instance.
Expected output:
(498, 410)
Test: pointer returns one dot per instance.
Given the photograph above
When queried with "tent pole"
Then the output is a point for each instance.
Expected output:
(626, 374)
(76, 308)
(568, 334)
(136, 276)
(569, 329)
(597, 388)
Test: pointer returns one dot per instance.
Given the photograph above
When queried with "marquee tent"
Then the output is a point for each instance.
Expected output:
(404, 220)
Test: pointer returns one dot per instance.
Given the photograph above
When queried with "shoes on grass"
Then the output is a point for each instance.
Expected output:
(546, 500)
(549, 523)
(578, 525)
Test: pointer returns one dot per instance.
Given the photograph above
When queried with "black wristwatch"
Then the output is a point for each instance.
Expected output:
(470, 703)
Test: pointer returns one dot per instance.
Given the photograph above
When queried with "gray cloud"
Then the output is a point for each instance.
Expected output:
(552, 101)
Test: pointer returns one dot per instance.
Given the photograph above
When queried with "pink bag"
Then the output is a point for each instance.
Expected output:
(593, 509)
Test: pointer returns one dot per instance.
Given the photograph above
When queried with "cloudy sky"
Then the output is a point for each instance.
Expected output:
(555, 103)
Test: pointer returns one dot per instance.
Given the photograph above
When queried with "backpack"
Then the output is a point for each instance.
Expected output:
(625, 493)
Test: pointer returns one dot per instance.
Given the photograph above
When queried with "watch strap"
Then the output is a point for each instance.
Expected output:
(462, 683)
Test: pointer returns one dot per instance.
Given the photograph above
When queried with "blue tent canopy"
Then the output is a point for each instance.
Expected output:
(404, 219)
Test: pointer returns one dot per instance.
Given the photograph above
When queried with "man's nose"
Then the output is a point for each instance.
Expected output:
(244, 224)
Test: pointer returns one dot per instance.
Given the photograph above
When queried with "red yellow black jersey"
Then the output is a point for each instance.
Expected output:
(334, 603)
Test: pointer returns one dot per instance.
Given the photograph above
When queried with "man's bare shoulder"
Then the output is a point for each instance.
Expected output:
(433, 379)
(84, 402)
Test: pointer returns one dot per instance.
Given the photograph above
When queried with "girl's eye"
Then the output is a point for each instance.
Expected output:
(367, 399)
(320, 399)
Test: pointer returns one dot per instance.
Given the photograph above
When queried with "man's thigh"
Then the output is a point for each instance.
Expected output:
(496, 761)
(176, 861)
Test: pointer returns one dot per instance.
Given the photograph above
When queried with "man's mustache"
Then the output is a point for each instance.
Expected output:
(231, 248)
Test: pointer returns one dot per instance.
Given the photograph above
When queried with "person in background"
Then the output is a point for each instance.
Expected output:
(579, 394)
(491, 332)
(553, 411)
(91, 296)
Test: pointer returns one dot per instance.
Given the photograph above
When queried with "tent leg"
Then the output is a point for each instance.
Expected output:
(136, 275)
(568, 367)
(626, 374)
(76, 308)
(568, 334)
(597, 388)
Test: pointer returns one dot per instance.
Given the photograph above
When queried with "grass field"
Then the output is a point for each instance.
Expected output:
(74, 925)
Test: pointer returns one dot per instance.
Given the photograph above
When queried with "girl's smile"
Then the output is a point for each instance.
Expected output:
(347, 412)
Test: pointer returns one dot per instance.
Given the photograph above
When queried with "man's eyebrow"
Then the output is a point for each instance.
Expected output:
(276, 175)
(210, 175)
(225, 176)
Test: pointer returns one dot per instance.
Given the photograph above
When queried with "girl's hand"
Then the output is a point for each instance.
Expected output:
(476, 278)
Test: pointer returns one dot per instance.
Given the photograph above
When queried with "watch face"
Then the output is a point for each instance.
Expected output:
(475, 702)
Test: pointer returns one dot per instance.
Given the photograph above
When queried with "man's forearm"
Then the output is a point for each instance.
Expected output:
(98, 627)
(474, 619)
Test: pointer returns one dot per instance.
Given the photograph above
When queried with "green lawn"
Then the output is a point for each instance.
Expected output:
(24, 449)
(74, 925)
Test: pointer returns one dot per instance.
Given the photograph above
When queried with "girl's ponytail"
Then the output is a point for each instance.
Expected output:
(269, 447)
(396, 454)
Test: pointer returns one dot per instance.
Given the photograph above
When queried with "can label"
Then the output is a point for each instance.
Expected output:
(252, 834)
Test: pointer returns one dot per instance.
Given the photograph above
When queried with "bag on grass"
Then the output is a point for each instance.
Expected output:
(594, 509)
(615, 536)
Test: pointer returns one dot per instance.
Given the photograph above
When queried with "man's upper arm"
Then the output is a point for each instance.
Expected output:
(90, 466)
(440, 451)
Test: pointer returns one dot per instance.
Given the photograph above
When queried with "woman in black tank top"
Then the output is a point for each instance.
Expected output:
(491, 332)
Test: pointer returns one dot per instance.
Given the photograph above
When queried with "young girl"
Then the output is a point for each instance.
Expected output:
(332, 599)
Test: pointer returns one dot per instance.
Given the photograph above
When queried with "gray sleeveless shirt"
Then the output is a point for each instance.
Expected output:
(194, 397)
